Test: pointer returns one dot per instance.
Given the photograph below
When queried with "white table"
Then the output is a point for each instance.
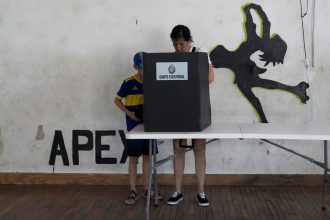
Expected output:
(239, 131)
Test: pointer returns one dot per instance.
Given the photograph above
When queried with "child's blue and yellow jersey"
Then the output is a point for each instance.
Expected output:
(132, 91)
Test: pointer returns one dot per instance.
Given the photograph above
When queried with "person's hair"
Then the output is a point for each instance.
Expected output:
(181, 31)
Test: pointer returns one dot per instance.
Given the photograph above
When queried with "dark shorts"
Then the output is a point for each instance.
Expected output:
(138, 147)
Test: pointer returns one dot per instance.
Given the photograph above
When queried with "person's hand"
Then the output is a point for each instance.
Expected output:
(132, 116)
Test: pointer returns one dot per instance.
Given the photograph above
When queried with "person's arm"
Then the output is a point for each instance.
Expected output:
(122, 107)
(211, 70)
(211, 73)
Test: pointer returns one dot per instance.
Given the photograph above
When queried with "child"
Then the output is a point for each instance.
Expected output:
(132, 91)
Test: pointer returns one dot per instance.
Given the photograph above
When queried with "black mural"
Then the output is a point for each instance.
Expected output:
(246, 71)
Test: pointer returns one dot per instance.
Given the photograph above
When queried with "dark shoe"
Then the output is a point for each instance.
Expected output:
(175, 198)
(202, 200)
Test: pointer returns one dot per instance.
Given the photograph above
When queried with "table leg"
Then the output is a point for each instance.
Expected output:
(325, 179)
(150, 176)
(154, 147)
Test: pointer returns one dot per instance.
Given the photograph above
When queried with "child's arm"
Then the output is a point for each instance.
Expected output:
(122, 107)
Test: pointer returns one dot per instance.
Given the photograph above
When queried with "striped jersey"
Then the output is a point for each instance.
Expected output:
(132, 91)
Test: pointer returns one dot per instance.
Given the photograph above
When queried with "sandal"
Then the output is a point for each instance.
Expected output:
(131, 198)
(152, 195)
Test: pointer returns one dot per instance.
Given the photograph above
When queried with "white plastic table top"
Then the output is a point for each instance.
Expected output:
(242, 130)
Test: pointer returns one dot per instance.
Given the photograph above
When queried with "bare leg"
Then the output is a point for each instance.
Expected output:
(200, 163)
(178, 165)
(145, 170)
(132, 172)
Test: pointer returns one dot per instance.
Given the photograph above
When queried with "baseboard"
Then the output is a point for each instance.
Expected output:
(162, 179)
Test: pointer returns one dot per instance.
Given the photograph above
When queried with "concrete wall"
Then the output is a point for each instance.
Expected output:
(62, 62)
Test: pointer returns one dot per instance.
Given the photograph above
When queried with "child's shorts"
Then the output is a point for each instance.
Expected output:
(138, 147)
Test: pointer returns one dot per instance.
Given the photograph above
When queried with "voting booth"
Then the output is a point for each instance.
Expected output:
(176, 92)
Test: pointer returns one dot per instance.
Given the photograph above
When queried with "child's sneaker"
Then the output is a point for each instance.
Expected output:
(202, 200)
(132, 197)
(175, 198)
(152, 195)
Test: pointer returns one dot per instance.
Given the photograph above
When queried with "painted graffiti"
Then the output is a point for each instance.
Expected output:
(59, 148)
(246, 71)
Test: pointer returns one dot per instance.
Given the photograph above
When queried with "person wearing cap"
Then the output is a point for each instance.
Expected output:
(132, 91)
(182, 42)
